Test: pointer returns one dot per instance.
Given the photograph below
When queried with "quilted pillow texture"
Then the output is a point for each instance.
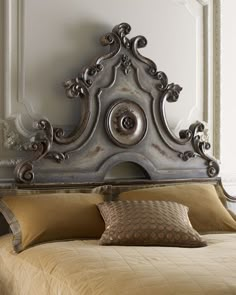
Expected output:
(146, 223)
(206, 211)
(48, 217)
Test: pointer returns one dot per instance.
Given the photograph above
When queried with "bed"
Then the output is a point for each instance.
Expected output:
(67, 229)
(84, 267)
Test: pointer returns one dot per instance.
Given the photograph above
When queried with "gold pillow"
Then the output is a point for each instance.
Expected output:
(147, 223)
(47, 217)
(206, 211)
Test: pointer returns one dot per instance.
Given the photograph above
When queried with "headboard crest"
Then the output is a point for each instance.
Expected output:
(122, 118)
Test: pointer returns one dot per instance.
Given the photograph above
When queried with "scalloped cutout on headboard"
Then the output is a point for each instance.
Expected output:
(122, 120)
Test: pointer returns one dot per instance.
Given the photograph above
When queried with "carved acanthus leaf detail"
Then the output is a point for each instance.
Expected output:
(75, 88)
(40, 146)
(126, 64)
(57, 156)
(185, 156)
(172, 92)
(200, 147)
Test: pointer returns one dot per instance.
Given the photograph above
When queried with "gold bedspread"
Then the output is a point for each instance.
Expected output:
(84, 267)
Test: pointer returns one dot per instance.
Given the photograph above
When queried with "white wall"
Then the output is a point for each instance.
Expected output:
(47, 42)
(228, 96)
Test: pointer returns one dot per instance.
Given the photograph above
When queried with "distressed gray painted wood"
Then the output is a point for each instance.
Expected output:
(123, 119)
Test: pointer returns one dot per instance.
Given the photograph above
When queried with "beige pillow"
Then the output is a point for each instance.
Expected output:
(41, 218)
(206, 211)
(146, 223)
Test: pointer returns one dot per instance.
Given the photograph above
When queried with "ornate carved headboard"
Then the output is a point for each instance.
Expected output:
(122, 119)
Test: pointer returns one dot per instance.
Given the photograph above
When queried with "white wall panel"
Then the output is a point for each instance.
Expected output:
(51, 40)
(228, 106)
(47, 42)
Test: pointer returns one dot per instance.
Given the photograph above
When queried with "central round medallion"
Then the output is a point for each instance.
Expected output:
(126, 123)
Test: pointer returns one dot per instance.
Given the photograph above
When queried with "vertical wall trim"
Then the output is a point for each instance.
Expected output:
(15, 106)
(199, 11)
(7, 58)
(211, 30)
(212, 72)
(14, 63)
(217, 78)
(207, 66)
(20, 51)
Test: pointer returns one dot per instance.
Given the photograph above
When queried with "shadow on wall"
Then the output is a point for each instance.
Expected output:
(127, 170)
(84, 39)
(45, 92)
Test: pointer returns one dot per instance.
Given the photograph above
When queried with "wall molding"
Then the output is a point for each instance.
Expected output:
(9, 163)
(186, 2)
(217, 79)
(229, 178)
(229, 181)
(192, 7)
(14, 67)
(211, 29)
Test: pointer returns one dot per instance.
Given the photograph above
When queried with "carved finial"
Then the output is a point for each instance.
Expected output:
(122, 30)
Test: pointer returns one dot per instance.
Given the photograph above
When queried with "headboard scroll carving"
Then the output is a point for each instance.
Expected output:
(122, 118)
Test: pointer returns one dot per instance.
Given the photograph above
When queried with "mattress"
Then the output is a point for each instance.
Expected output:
(86, 268)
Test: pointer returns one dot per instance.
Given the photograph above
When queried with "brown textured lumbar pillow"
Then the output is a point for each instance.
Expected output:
(47, 217)
(147, 223)
(206, 211)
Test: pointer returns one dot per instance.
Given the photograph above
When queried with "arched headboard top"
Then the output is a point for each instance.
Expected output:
(122, 119)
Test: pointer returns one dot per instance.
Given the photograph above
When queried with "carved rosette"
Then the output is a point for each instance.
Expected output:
(126, 123)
